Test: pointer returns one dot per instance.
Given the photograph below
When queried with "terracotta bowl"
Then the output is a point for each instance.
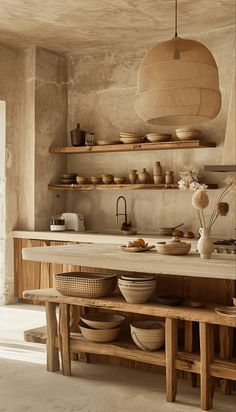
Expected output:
(99, 335)
(102, 320)
(148, 334)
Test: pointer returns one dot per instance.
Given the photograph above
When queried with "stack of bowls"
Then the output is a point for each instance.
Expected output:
(68, 178)
(127, 138)
(137, 289)
(100, 327)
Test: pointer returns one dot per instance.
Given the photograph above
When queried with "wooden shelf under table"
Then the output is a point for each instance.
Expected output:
(134, 147)
(117, 302)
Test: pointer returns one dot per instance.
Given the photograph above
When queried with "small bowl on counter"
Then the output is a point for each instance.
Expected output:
(148, 335)
(173, 247)
(81, 180)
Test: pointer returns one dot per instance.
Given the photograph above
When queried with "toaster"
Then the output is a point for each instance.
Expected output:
(74, 221)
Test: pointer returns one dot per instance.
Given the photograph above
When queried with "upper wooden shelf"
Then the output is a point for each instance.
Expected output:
(125, 186)
(175, 144)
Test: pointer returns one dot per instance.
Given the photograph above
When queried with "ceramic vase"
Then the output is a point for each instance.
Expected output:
(133, 176)
(144, 176)
(205, 243)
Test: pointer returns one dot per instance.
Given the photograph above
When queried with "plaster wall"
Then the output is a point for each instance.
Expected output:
(10, 93)
(50, 129)
(101, 89)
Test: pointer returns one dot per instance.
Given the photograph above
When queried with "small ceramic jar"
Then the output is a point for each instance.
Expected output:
(169, 177)
(133, 176)
(157, 169)
(144, 176)
(158, 179)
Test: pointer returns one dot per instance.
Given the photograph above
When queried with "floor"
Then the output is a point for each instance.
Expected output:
(26, 386)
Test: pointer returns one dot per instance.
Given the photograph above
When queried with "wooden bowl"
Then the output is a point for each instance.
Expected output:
(159, 137)
(99, 335)
(99, 320)
(148, 334)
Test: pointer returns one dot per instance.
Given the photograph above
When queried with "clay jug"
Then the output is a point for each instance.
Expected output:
(144, 176)
(133, 176)
(157, 169)
(205, 243)
(77, 136)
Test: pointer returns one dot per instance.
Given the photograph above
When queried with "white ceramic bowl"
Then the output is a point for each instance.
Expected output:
(148, 335)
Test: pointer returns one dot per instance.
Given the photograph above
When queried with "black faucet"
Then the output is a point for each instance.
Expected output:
(125, 223)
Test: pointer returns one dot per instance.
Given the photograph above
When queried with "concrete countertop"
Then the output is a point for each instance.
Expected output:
(109, 256)
(113, 237)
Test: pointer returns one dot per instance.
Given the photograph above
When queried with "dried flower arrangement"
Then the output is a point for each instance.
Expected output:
(200, 201)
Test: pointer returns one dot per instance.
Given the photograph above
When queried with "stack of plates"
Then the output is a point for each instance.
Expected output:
(130, 137)
(137, 289)
(158, 137)
(68, 178)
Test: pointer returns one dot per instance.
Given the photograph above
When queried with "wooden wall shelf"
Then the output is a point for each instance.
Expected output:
(125, 186)
(137, 147)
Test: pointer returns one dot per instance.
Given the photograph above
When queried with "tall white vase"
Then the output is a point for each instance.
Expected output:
(205, 243)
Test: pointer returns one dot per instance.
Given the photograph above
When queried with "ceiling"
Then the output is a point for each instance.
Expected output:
(71, 25)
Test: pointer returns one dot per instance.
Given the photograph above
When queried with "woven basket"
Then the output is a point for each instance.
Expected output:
(85, 285)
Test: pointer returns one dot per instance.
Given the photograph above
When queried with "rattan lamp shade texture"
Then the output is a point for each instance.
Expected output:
(178, 84)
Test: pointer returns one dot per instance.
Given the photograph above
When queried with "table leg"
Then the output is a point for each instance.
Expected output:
(189, 346)
(74, 325)
(64, 338)
(171, 350)
(226, 352)
(53, 363)
(207, 357)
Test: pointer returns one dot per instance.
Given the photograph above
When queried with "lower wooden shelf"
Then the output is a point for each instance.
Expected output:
(124, 348)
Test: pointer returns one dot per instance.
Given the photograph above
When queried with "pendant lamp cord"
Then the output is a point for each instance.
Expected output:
(176, 18)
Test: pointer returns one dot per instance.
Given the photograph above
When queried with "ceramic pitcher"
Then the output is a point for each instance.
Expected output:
(205, 243)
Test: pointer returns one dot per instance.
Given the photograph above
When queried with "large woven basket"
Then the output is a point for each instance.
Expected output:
(86, 285)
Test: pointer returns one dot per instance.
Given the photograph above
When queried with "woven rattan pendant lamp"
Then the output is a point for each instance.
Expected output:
(178, 83)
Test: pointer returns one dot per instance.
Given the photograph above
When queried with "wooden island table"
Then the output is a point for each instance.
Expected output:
(206, 364)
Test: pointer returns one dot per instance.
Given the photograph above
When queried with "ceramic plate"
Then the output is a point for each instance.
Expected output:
(227, 311)
(136, 249)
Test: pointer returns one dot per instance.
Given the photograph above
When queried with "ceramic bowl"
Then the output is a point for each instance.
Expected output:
(188, 134)
(99, 335)
(102, 320)
(160, 137)
(173, 247)
(148, 334)
(119, 180)
(136, 293)
(130, 140)
(107, 179)
(81, 180)
(96, 180)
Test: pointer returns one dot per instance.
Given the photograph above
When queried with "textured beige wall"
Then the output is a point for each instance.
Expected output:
(50, 129)
(10, 92)
(101, 88)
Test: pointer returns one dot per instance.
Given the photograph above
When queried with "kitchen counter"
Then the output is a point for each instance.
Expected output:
(114, 237)
(109, 256)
